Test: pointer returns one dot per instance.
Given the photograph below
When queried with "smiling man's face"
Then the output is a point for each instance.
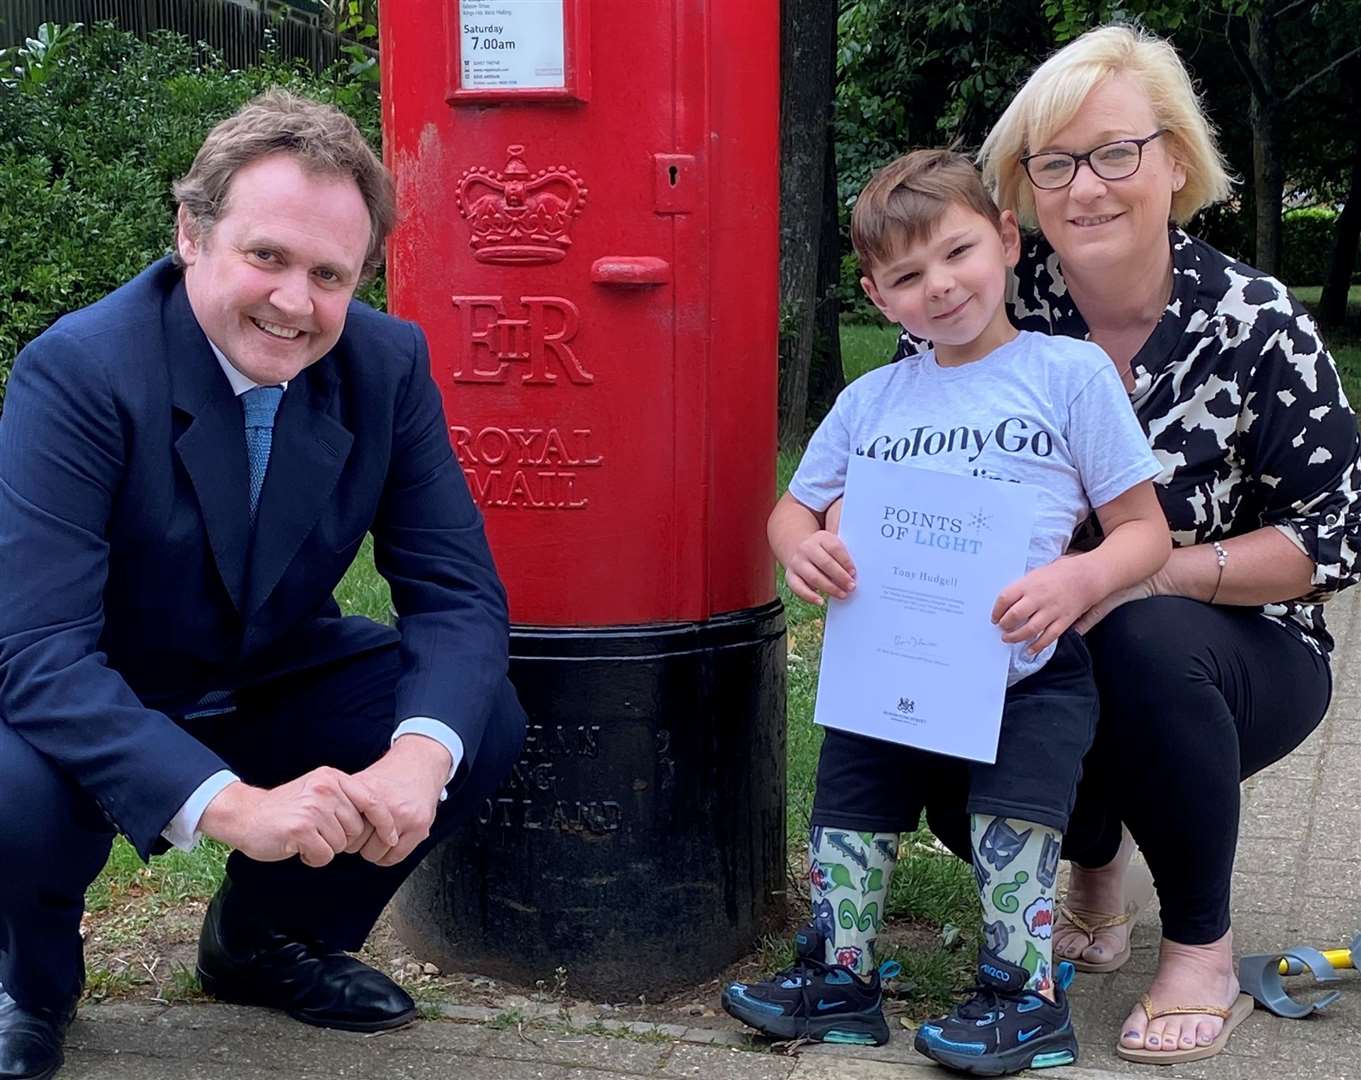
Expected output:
(271, 281)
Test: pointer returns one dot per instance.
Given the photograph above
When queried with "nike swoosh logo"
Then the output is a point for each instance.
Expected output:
(1026, 1036)
(823, 1006)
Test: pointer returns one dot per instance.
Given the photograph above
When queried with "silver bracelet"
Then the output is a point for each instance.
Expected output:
(1222, 557)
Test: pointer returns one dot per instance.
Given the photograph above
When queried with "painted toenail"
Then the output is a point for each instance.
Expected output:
(1131, 1034)
(1153, 1040)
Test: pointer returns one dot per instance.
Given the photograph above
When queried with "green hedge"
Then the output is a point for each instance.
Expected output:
(1307, 240)
(88, 152)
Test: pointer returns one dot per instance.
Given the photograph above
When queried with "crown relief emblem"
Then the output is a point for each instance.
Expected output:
(520, 217)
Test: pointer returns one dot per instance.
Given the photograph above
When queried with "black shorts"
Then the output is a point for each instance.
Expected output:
(1048, 722)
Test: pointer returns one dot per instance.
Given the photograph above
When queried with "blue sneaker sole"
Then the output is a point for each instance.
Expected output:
(865, 1028)
(1058, 1048)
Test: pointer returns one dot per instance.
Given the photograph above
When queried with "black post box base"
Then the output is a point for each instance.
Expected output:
(640, 842)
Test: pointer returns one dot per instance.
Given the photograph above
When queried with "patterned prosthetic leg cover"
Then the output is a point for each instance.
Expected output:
(1015, 863)
(849, 875)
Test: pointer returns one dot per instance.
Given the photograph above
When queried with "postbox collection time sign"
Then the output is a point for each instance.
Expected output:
(517, 47)
(511, 44)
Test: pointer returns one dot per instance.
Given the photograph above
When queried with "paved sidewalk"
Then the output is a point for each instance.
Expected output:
(1298, 882)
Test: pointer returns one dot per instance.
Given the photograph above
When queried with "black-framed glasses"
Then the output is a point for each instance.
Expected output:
(1054, 169)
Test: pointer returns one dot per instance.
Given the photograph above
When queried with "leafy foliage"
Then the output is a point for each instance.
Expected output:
(29, 64)
(88, 153)
(933, 72)
(358, 21)
(913, 74)
(926, 74)
(1306, 243)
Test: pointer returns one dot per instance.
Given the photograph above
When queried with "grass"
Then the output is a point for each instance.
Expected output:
(1344, 341)
(930, 890)
(362, 591)
(170, 878)
(866, 346)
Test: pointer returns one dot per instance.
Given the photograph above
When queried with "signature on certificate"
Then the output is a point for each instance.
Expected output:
(912, 641)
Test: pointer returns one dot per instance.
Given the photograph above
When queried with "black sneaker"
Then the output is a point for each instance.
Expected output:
(812, 1000)
(1003, 1028)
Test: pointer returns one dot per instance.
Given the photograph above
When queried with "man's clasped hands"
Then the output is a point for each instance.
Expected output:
(380, 813)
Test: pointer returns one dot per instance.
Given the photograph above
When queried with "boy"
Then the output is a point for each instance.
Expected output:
(1049, 412)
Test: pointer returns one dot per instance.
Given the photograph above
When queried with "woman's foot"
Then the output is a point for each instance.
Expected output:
(1097, 897)
(1187, 975)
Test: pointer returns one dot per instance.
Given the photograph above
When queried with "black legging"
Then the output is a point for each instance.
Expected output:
(1195, 698)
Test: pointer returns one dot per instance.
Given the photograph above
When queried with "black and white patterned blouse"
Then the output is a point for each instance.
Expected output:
(1243, 409)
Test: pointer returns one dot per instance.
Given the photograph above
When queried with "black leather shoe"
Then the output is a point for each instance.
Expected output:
(30, 1039)
(247, 965)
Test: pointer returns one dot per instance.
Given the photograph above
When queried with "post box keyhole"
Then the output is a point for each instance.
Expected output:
(672, 173)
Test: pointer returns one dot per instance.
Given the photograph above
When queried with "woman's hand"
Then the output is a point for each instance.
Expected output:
(1158, 584)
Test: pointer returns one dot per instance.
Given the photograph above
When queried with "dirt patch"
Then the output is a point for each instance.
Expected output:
(140, 949)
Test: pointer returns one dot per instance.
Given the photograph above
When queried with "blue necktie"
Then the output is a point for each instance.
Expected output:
(259, 405)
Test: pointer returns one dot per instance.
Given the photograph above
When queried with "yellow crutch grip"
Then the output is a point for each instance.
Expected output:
(1339, 958)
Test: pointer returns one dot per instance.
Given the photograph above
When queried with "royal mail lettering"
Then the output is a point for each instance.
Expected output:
(524, 446)
(529, 468)
(544, 489)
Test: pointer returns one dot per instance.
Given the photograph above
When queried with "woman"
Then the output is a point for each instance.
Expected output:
(1221, 667)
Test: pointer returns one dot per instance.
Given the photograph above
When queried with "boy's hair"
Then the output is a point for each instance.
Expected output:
(905, 200)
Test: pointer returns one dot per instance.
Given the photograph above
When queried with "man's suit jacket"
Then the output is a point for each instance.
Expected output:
(131, 582)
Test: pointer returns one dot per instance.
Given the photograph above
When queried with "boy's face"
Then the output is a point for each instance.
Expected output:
(950, 287)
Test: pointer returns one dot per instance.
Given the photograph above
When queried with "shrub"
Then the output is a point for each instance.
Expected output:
(1308, 237)
(88, 154)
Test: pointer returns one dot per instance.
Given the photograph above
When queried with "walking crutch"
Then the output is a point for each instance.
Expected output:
(1260, 976)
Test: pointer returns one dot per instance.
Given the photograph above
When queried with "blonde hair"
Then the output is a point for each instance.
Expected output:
(1052, 96)
(322, 139)
(905, 200)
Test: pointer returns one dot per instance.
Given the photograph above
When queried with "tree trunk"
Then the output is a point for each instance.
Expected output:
(1268, 178)
(807, 73)
(826, 379)
(1332, 308)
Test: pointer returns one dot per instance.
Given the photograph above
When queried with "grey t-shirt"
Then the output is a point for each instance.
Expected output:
(1046, 411)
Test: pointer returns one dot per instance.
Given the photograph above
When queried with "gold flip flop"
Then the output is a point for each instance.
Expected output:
(1092, 923)
(1232, 1017)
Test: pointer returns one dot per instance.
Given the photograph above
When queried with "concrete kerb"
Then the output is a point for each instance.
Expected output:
(565, 1048)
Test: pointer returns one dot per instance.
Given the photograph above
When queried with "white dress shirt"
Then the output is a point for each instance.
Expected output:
(182, 831)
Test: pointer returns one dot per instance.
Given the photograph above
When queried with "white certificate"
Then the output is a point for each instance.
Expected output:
(912, 655)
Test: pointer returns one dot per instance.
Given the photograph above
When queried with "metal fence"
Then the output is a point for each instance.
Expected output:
(238, 29)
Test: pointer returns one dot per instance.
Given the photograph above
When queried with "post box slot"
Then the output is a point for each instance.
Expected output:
(631, 270)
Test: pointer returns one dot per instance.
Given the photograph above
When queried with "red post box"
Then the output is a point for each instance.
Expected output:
(589, 237)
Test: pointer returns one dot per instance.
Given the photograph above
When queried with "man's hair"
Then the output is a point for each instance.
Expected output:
(323, 140)
(1052, 96)
(905, 200)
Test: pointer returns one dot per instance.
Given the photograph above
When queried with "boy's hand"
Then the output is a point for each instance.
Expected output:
(820, 564)
(1158, 584)
(1042, 605)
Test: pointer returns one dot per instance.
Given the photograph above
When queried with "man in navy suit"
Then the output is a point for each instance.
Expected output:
(187, 468)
